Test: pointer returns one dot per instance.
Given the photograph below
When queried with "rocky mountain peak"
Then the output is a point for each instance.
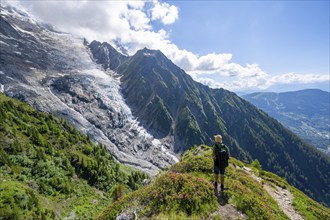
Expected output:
(105, 54)
(149, 52)
(154, 56)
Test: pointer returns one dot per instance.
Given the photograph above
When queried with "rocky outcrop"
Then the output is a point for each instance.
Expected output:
(106, 55)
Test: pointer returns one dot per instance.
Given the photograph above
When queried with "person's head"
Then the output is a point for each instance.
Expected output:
(218, 138)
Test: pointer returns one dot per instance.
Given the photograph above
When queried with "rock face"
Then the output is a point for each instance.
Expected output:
(54, 72)
(106, 55)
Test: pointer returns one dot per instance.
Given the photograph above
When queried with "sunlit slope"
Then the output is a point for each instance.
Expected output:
(186, 190)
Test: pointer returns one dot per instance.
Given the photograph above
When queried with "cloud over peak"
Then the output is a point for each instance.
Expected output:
(131, 23)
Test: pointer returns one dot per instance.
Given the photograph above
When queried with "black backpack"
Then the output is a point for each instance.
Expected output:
(221, 155)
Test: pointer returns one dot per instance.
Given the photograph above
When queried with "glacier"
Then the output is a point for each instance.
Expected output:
(54, 72)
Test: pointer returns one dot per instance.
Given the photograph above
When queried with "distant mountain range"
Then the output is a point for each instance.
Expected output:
(144, 108)
(304, 112)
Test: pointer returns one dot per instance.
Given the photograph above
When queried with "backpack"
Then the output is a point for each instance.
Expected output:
(221, 155)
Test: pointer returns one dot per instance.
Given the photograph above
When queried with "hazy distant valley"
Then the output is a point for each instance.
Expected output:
(304, 112)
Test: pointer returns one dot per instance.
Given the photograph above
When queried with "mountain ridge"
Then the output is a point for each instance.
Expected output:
(193, 113)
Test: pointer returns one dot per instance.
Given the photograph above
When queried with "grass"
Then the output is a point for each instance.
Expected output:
(186, 191)
(307, 207)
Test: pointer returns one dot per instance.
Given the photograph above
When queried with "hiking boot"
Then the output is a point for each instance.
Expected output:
(222, 187)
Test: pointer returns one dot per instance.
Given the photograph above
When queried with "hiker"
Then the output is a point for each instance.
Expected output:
(220, 157)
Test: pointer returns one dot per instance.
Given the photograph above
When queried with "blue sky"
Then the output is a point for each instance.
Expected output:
(281, 36)
(242, 46)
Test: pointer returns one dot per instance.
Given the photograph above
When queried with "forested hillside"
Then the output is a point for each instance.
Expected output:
(48, 170)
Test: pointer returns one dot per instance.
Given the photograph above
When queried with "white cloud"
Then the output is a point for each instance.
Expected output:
(213, 61)
(129, 22)
(242, 82)
(124, 21)
(168, 14)
(299, 78)
(138, 20)
(136, 4)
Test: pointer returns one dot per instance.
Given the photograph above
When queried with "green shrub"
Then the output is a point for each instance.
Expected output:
(171, 195)
(19, 202)
(197, 159)
(175, 192)
(256, 164)
(118, 191)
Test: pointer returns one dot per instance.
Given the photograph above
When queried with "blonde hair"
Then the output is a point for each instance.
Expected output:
(218, 138)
